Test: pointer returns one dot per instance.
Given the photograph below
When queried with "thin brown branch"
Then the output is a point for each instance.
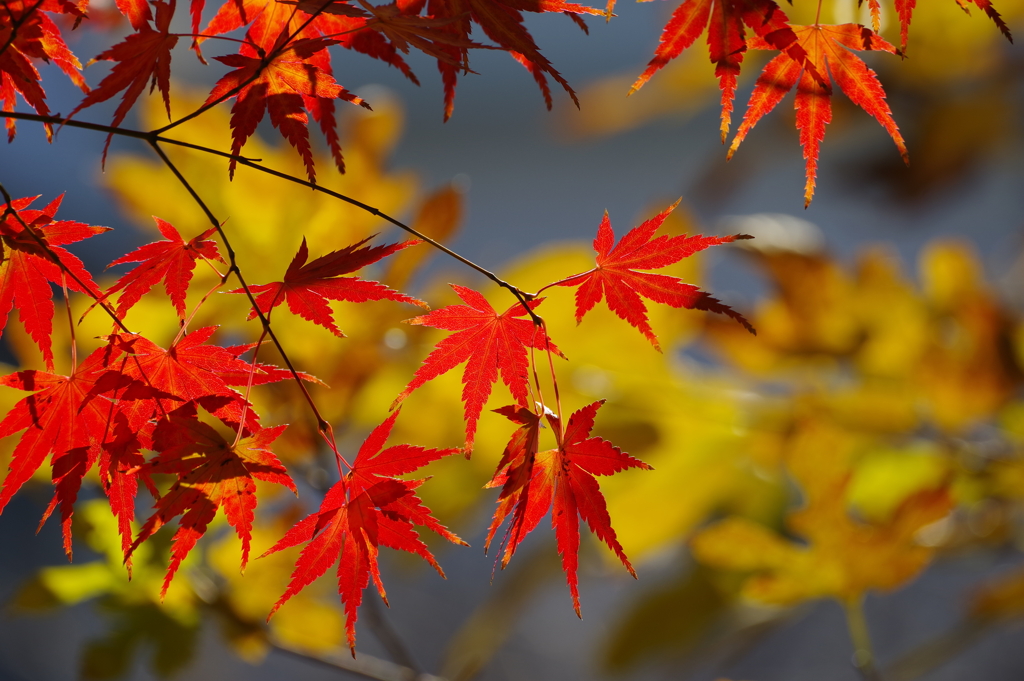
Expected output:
(154, 137)
(940, 650)
(322, 424)
(366, 666)
(522, 296)
(388, 636)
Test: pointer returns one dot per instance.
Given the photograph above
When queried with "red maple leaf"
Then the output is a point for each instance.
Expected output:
(387, 30)
(67, 418)
(366, 37)
(272, 22)
(618, 280)
(516, 464)
(190, 370)
(987, 7)
(489, 343)
(401, 29)
(136, 11)
(362, 511)
(119, 462)
(829, 49)
(27, 268)
(26, 34)
(171, 260)
(212, 474)
(560, 479)
(295, 78)
(502, 22)
(308, 286)
(725, 21)
(142, 57)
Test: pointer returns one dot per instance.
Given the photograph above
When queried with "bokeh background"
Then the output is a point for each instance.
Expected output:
(866, 448)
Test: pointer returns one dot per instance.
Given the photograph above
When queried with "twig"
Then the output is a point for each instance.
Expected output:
(860, 636)
(154, 137)
(366, 666)
(324, 427)
(939, 650)
(382, 628)
(522, 296)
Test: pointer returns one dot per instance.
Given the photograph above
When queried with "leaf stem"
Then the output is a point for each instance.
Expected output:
(248, 388)
(566, 280)
(538, 406)
(554, 379)
(71, 323)
(860, 636)
(188, 320)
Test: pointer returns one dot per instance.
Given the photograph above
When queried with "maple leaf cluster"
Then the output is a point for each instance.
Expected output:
(179, 419)
(283, 64)
(282, 67)
(809, 58)
(132, 395)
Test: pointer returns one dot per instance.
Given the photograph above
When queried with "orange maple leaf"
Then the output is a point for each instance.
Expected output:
(560, 479)
(618, 277)
(829, 50)
(725, 21)
(288, 84)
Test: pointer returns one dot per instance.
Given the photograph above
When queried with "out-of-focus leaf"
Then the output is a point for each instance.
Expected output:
(885, 477)
(844, 557)
(1000, 598)
(667, 622)
(952, 135)
(438, 217)
(941, 353)
(945, 45)
(170, 642)
(681, 90)
(139, 622)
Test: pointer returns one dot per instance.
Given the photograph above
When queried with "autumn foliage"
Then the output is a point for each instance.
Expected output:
(180, 417)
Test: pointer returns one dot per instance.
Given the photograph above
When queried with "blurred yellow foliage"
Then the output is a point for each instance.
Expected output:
(844, 557)
(940, 356)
